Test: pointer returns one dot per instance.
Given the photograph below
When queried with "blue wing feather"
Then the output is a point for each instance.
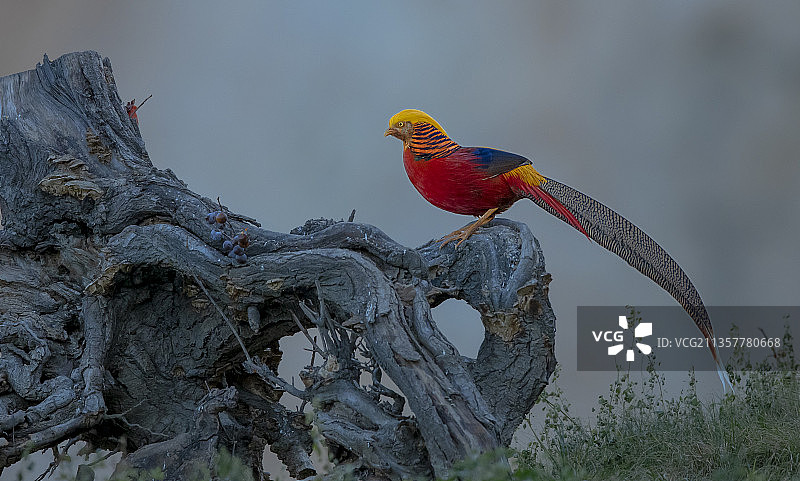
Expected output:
(496, 162)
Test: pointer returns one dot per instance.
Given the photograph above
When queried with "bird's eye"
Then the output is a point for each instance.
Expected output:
(399, 124)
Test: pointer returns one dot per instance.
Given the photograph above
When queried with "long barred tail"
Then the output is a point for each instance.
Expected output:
(638, 249)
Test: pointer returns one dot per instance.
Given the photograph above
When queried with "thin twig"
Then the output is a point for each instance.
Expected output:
(230, 324)
(57, 457)
(266, 374)
(101, 459)
(121, 417)
(53, 464)
(772, 348)
(313, 352)
(323, 311)
(560, 409)
(311, 365)
(322, 321)
(308, 336)
(133, 407)
(143, 101)
(399, 400)
(316, 319)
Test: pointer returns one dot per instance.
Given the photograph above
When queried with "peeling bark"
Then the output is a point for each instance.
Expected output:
(110, 332)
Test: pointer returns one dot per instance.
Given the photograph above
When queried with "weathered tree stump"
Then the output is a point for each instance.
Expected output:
(109, 332)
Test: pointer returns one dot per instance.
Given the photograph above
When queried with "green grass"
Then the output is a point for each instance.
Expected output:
(640, 434)
(754, 435)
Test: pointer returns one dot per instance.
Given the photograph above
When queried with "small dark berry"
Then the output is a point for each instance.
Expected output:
(241, 259)
(221, 218)
(216, 235)
(211, 218)
(237, 250)
(227, 246)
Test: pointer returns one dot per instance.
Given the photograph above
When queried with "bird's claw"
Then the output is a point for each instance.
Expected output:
(448, 239)
(460, 235)
(466, 232)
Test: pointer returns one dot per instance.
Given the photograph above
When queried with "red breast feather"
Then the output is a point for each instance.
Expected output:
(456, 183)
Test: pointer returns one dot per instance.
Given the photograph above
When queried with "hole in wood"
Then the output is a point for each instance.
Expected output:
(461, 325)
(296, 356)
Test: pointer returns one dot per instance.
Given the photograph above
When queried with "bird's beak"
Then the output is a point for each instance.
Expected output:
(391, 131)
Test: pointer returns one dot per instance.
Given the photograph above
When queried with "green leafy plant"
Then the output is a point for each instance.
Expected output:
(640, 434)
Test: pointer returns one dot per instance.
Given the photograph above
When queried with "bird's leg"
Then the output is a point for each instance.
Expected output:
(465, 232)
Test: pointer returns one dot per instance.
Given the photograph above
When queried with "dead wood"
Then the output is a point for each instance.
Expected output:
(112, 297)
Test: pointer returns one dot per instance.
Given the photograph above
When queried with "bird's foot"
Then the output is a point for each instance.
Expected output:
(460, 235)
(466, 232)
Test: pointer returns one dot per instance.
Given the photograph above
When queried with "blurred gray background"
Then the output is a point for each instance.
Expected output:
(682, 116)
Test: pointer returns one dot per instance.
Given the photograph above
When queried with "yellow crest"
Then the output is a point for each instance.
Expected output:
(414, 115)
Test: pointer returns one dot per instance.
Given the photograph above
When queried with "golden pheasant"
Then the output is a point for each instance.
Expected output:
(484, 182)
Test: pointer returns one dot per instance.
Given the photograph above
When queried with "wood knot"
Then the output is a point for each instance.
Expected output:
(96, 147)
(504, 325)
